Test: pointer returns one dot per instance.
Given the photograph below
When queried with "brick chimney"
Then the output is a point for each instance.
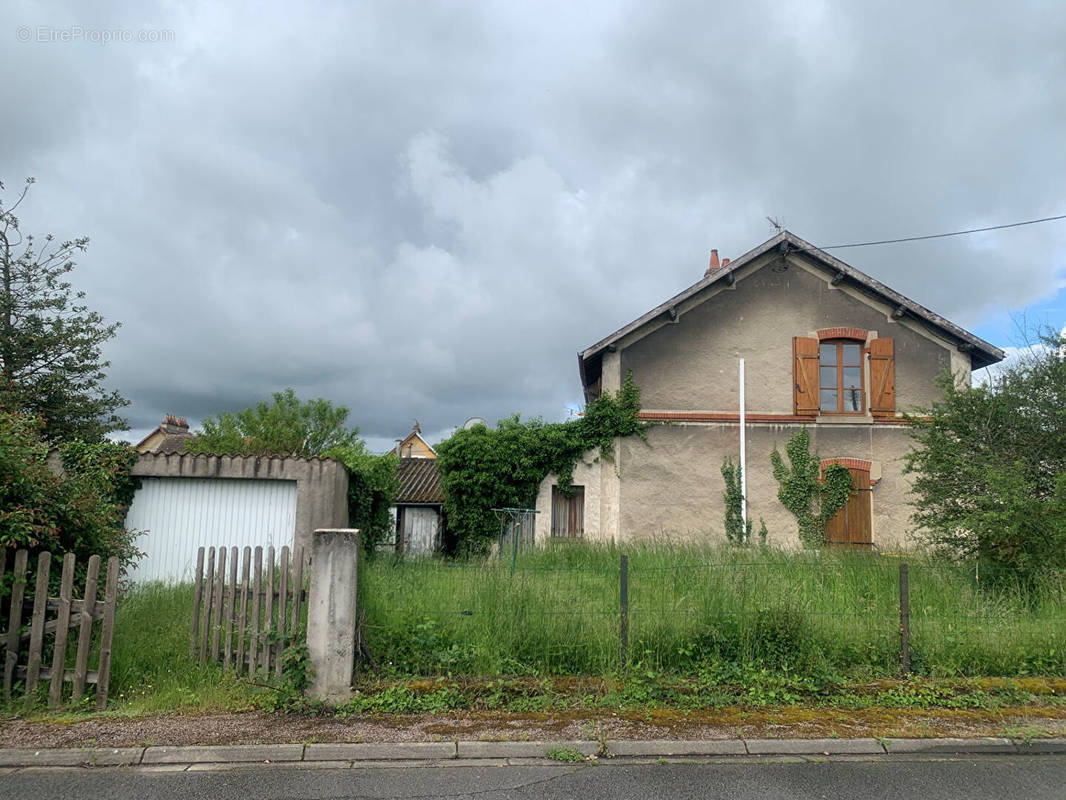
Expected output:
(714, 265)
(174, 425)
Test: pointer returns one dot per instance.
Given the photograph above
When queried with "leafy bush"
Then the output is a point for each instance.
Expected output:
(372, 486)
(484, 468)
(80, 509)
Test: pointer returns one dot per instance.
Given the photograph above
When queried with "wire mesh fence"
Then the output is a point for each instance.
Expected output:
(601, 612)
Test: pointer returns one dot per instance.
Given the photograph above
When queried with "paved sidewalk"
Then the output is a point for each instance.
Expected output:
(347, 755)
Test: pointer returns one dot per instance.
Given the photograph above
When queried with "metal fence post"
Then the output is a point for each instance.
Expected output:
(623, 603)
(904, 619)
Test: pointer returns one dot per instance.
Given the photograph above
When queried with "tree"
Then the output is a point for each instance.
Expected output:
(989, 466)
(286, 427)
(812, 498)
(310, 429)
(50, 362)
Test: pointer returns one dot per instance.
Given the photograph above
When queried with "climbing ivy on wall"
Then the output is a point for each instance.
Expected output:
(484, 468)
(812, 499)
(736, 530)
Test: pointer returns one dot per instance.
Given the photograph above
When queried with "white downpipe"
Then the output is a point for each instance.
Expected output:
(743, 454)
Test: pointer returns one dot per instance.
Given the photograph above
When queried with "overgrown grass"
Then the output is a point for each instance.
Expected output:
(151, 669)
(692, 608)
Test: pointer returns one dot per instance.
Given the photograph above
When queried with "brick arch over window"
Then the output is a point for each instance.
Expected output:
(842, 333)
(850, 463)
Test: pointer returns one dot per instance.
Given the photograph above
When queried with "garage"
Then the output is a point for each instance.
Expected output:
(178, 515)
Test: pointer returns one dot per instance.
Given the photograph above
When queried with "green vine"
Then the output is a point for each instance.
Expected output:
(736, 530)
(811, 499)
(482, 468)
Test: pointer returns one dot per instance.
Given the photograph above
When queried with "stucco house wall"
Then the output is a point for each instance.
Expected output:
(671, 484)
(599, 477)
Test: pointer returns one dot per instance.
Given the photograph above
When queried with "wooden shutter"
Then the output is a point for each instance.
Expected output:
(805, 375)
(568, 513)
(851, 525)
(882, 376)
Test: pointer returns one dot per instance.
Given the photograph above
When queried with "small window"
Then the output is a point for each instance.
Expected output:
(840, 380)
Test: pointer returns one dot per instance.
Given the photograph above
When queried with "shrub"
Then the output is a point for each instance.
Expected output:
(79, 509)
(989, 467)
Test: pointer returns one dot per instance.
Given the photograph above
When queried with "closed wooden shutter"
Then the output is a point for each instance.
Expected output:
(882, 376)
(805, 375)
(568, 513)
(851, 525)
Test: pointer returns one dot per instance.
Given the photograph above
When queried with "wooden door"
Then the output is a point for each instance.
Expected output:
(851, 526)
(568, 513)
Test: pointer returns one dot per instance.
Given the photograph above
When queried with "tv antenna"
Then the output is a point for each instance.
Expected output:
(779, 224)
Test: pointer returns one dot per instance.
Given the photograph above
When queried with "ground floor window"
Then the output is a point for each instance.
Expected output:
(568, 513)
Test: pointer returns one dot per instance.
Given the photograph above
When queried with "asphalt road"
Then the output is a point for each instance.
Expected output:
(974, 778)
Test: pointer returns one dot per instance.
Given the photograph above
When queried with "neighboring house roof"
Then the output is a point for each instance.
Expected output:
(419, 482)
(982, 353)
(170, 437)
(414, 446)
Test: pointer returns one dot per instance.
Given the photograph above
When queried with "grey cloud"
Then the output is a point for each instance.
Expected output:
(425, 209)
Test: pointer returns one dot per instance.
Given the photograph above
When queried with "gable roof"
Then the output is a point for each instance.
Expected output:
(416, 433)
(170, 437)
(419, 482)
(982, 353)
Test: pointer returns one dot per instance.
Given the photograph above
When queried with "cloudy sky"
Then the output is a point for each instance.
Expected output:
(425, 209)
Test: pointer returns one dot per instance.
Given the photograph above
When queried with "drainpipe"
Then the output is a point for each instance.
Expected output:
(743, 453)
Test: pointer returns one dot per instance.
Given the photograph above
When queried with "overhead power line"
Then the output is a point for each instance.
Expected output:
(943, 235)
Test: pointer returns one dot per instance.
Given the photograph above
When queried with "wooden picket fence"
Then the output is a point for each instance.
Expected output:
(70, 613)
(246, 624)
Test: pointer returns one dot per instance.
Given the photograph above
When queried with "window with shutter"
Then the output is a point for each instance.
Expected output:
(831, 378)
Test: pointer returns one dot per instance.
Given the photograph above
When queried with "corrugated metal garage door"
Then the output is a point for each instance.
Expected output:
(181, 514)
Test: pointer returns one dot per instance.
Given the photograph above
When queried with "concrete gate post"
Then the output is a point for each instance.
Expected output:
(331, 613)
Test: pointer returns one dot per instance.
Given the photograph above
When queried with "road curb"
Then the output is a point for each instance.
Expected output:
(386, 753)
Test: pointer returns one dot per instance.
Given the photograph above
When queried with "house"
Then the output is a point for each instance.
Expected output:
(825, 347)
(418, 509)
(170, 437)
(414, 446)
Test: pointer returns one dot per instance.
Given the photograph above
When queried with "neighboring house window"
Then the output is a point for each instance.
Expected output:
(830, 376)
(568, 513)
(840, 381)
